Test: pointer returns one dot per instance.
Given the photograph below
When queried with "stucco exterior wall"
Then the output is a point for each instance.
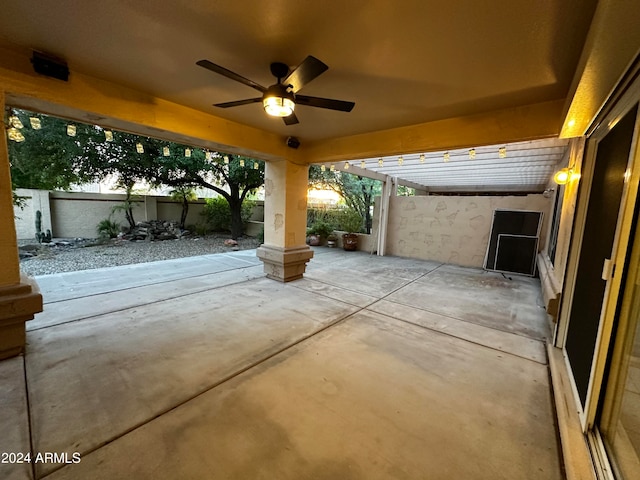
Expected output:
(75, 214)
(452, 229)
(25, 218)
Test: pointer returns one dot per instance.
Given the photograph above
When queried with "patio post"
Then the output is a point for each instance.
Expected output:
(20, 298)
(284, 252)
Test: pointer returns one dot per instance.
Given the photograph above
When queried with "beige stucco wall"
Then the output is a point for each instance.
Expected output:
(25, 218)
(451, 229)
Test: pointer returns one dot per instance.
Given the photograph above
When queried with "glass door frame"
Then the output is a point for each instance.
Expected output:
(618, 255)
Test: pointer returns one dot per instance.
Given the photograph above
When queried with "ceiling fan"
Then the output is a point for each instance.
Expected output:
(281, 98)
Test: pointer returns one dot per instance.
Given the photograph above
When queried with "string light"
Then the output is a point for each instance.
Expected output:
(108, 135)
(323, 168)
(139, 148)
(446, 156)
(400, 160)
(346, 165)
(165, 151)
(187, 152)
(35, 122)
(242, 162)
(15, 121)
(226, 160)
(472, 153)
(14, 134)
(363, 164)
(332, 168)
(422, 158)
(502, 152)
(256, 166)
(207, 156)
(71, 130)
(380, 162)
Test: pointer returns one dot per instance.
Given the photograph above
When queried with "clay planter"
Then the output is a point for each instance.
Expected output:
(350, 241)
(314, 240)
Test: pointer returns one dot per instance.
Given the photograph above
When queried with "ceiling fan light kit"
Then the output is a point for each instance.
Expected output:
(280, 99)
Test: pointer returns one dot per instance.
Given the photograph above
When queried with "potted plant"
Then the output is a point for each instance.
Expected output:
(317, 232)
(351, 222)
(332, 240)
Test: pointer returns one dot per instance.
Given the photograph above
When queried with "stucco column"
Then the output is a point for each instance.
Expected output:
(20, 298)
(284, 252)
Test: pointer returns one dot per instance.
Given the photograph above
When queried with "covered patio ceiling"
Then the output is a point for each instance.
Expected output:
(515, 167)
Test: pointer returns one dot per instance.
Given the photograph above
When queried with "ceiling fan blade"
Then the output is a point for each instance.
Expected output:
(237, 103)
(291, 119)
(229, 74)
(309, 69)
(329, 103)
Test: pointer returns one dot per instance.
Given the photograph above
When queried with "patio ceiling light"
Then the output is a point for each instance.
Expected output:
(278, 102)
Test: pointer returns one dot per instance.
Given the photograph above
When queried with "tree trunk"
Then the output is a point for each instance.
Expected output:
(185, 211)
(236, 218)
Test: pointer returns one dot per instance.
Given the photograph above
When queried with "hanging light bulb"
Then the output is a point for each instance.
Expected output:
(187, 152)
(332, 168)
(502, 152)
(242, 162)
(323, 168)
(256, 166)
(139, 148)
(446, 156)
(380, 162)
(35, 122)
(363, 164)
(400, 160)
(346, 165)
(472, 153)
(207, 156)
(226, 160)
(15, 121)
(15, 135)
(71, 130)
(108, 135)
(165, 151)
(422, 158)
(563, 176)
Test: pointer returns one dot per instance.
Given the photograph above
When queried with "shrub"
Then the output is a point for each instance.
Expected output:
(107, 228)
(350, 221)
(321, 228)
(217, 213)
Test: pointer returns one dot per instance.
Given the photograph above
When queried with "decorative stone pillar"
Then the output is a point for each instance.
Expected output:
(20, 297)
(284, 252)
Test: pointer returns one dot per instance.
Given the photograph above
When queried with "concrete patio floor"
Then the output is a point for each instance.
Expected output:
(368, 368)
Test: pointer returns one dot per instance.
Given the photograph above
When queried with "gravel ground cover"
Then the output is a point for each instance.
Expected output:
(69, 258)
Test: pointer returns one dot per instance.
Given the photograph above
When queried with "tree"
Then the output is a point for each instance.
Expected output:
(358, 192)
(51, 159)
(213, 170)
(184, 195)
(48, 158)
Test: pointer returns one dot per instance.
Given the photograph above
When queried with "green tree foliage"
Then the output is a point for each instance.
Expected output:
(358, 192)
(233, 178)
(50, 159)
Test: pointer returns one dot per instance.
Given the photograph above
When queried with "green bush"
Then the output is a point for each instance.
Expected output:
(107, 228)
(350, 221)
(321, 228)
(217, 213)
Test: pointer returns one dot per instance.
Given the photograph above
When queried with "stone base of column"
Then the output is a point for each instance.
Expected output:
(18, 303)
(284, 264)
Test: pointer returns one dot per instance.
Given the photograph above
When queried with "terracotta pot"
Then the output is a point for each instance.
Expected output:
(350, 241)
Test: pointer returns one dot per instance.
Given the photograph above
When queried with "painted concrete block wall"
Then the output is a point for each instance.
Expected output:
(171, 211)
(452, 229)
(77, 214)
(25, 219)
